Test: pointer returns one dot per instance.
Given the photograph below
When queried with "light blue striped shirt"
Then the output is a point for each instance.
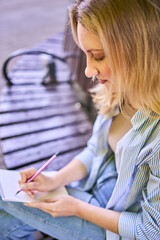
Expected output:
(137, 191)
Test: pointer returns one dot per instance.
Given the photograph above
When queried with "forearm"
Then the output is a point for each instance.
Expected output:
(104, 218)
(73, 171)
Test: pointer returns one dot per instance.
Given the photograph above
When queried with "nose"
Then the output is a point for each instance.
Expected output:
(90, 70)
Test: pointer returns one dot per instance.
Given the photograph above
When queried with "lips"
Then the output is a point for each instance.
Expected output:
(102, 81)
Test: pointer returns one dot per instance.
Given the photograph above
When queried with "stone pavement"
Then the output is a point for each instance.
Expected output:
(24, 24)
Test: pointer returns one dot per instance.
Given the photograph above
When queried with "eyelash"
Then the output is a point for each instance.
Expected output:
(99, 59)
(96, 59)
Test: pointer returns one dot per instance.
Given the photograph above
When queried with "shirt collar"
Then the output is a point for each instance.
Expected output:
(141, 116)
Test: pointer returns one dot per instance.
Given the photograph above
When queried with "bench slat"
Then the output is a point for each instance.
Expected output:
(20, 106)
(58, 163)
(24, 88)
(36, 95)
(25, 116)
(36, 138)
(41, 125)
(44, 151)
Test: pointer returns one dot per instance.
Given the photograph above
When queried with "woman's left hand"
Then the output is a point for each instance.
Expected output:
(59, 206)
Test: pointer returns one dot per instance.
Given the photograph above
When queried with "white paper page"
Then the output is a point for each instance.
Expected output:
(9, 186)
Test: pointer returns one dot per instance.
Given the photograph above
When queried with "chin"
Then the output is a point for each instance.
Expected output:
(110, 87)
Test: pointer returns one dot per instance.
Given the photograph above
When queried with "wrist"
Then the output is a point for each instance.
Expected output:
(57, 180)
(75, 206)
(78, 207)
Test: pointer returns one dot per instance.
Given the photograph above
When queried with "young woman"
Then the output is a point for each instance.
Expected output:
(118, 192)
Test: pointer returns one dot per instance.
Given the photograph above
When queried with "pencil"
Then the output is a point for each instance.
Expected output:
(40, 170)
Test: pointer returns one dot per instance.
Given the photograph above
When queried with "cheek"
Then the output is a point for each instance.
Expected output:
(106, 71)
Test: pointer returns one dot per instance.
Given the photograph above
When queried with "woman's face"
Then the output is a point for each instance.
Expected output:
(97, 63)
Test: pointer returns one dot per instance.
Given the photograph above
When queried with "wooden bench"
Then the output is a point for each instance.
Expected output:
(40, 119)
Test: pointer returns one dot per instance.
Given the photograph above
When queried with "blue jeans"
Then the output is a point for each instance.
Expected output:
(19, 222)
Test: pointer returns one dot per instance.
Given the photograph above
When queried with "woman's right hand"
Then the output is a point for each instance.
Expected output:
(41, 183)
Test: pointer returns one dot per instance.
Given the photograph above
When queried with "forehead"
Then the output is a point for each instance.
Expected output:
(88, 40)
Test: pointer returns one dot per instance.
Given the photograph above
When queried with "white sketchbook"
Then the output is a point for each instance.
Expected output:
(9, 186)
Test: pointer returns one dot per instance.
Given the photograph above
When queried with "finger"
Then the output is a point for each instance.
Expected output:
(51, 212)
(30, 193)
(30, 186)
(54, 199)
(26, 174)
(51, 200)
(46, 209)
(41, 205)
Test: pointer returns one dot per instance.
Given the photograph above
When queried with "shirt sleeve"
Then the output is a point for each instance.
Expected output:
(146, 224)
(87, 155)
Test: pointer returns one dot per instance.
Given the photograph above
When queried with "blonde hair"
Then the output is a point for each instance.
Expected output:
(129, 31)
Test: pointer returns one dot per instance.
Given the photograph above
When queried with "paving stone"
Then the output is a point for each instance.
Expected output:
(26, 23)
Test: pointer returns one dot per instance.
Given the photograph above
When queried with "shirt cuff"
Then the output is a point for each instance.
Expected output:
(127, 224)
(86, 158)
